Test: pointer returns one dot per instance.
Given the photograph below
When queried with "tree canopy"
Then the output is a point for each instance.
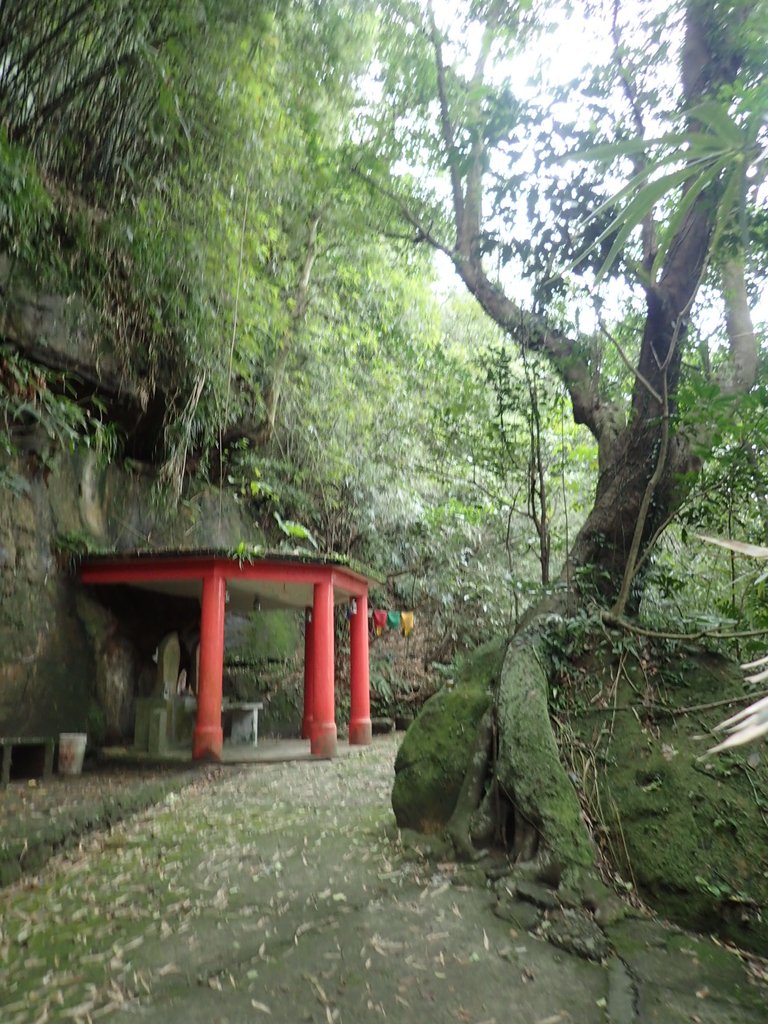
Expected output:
(248, 196)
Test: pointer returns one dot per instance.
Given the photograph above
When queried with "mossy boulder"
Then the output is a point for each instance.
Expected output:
(436, 749)
(690, 832)
(267, 636)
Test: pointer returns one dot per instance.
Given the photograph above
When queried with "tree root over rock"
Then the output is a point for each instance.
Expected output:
(470, 799)
(516, 790)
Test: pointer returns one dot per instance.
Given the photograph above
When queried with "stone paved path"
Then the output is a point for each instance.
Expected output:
(282, 893)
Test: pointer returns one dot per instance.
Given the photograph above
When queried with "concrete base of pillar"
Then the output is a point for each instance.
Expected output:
(324, 740)
(207, 743)
(360, 732)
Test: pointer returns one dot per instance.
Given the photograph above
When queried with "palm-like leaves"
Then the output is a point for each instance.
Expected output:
(749, 724)
(752, 722)
(693, 161)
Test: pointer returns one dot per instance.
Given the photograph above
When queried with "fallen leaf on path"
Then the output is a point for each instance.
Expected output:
(385, 946)
(432, 893)
(261, 1007)
(94, 958)
(103, 1011)
(319, 990)
(79, 1011)
(169, 969)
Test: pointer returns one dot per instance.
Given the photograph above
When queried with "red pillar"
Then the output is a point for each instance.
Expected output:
(309, 675)
(360, 697)
(207, 738)
(323, 712)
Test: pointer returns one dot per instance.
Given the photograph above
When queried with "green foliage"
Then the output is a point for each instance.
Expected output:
(295, 530)
(382, 690)
(70, 548)
(74, 543)
(26, 209)
(185, 175)
(692, 586)
(33, 398)
(721, 155)
(201, 176)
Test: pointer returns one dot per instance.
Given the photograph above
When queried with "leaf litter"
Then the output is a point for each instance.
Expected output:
(253, 881)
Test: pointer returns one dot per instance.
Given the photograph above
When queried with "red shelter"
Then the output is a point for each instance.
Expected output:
(221, 581)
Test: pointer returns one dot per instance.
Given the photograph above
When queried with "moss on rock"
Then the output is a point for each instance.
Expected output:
(268, 636)
(549, 826)
(691, 833)
(435, 752)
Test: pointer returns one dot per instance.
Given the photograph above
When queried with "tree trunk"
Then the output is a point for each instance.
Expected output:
(644, 466)
(549, 829)
(598, 561)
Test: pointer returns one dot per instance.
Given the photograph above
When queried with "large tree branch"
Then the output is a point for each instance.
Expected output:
(467, 194)
(468, 228)
(531, 332)
(446, 124)
(742, 371)
(422, 232)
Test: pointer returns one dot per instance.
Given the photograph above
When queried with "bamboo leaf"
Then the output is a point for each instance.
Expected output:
(704, 144)
(714, 114)
(635, 212)
(634, 186)
(630, 147)
(739, 546)
(681, 211)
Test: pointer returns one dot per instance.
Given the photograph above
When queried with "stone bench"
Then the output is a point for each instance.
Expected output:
(30, 756)
(245, 721)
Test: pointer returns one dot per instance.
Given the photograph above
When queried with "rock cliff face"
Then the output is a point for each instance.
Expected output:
(56, 331)
(45, 664)
(70, 659)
